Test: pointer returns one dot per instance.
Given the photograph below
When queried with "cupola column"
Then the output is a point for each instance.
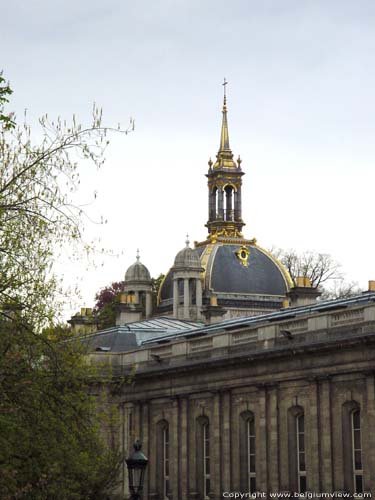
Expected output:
(198, 293)
(220, 203)
(229, 207)
(176, 297)
(186, 299)
(148, 304)
(237, 204)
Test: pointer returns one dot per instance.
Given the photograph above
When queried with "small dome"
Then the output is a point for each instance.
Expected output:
(137, 272)
(187, 257)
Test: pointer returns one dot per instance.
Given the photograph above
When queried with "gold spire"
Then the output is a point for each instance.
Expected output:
(224, 155)
(224, 139)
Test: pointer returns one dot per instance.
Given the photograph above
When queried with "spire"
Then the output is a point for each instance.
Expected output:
(224, 139)
(137, 254)
(187, 242)
(224, 155)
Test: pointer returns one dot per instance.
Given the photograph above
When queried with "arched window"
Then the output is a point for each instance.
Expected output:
(163, 459)
(203, 457)
(297, 449)
(352, 447)
(247, 452)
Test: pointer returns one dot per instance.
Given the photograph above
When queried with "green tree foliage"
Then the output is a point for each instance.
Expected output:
(50, 443)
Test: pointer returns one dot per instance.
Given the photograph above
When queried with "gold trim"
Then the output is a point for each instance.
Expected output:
(284, 272)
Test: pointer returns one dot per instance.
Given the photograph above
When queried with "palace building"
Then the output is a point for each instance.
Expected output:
(243, 382)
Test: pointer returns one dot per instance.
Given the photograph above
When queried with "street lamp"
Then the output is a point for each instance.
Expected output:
(136, 464)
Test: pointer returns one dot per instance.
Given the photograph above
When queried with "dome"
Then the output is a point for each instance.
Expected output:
(242, 275)
(137, 272)
(187, 257)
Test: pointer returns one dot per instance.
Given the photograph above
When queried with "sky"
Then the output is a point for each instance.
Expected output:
(301, 113)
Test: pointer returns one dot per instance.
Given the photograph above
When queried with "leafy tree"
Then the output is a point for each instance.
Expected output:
(322, 270)
(105, 305)
(50, 443)
(108, 297)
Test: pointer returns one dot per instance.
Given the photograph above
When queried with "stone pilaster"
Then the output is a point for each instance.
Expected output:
(273, 439)
(262, 442)
(174, 451)
(325, 431)
(368, 435)
(176, 298)
(145, 438)
(184, 448)
(226, 444)
(192, 468)
(215, 441)
(312, 441)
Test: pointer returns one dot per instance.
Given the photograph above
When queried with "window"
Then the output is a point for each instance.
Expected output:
(352, 447)
(300, 449)
(297, 449)
(357, 451)
(247, 452)
(163, 459)
(206, 459)
(203, 457)
(250, 427)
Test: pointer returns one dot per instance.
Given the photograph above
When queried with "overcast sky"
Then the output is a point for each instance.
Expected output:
(301, 114)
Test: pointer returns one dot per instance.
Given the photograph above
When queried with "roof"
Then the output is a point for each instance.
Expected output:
(132, 335)
(282, 314)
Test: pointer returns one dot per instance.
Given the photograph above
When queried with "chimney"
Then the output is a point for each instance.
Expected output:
(371, 286)
(84, 322)
(213, 313)
(303, 293)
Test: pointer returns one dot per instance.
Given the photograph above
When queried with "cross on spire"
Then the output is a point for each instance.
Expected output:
(224, 84)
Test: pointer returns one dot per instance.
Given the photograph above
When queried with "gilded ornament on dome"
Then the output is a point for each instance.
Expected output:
(243, 254)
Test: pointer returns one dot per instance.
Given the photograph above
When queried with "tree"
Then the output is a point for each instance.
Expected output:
(323, 271)
(105, 305)
(108, 296)
(50, 442)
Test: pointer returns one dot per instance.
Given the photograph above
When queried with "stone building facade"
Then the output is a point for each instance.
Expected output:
(280, 402)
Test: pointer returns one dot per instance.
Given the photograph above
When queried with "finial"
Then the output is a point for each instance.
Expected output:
(210, 162)
(225, 83)
(239, 161)
(137, 254)
(187, 241)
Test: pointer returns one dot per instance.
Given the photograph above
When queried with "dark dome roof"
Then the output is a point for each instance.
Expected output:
(226, 275)
(187, 257)
(137, 272)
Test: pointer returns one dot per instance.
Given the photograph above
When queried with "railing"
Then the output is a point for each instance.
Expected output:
(225, 215)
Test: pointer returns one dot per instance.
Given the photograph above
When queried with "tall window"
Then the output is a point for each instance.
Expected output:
(250, 428)
(203, 462)
(352, 447)
(163, 459)
(297, 449)
(247, 441)
(206, 459)
(300, 449)
(357, 451)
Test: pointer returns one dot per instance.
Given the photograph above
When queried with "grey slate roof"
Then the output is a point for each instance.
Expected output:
(280, 315)
(132, 335)
(162, 329)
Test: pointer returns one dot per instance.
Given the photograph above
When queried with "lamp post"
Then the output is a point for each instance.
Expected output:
(136, 464)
